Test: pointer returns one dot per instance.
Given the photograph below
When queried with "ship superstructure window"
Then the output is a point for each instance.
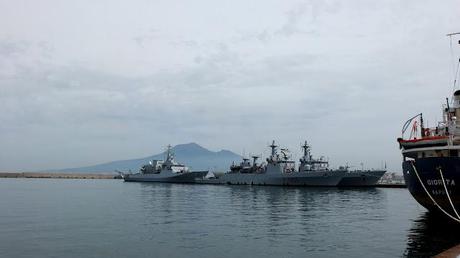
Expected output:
(453, 153)
(439, 153)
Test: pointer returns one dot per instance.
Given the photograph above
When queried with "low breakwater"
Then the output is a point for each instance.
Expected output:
(56, 175)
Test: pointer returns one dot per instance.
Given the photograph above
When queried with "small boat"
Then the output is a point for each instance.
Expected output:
(427, 141)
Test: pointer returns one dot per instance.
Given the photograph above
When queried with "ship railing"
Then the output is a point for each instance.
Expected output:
(442, 129)
(434, 131)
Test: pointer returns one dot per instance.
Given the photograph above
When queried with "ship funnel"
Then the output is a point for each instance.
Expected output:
(254, 160)
(456, 99)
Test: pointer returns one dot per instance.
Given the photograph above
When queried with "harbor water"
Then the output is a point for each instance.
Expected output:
(112, 218)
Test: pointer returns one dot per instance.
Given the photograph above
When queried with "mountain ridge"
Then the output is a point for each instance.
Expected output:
(190, 154)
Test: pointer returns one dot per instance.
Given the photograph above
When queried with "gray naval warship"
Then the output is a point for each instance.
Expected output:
(351, 178)
(279, 170)
(167, 171)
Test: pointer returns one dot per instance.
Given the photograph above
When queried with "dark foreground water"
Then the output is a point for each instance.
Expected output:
(110, 218)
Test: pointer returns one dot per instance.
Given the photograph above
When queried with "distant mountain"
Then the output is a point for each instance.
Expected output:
(190, 154)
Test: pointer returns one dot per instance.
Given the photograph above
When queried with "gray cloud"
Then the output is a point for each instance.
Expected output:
(341, 76)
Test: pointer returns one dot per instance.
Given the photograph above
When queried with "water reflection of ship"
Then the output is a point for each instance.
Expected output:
(430, 235)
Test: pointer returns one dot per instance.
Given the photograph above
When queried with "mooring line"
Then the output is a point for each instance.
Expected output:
(447, 193)
(429, 195)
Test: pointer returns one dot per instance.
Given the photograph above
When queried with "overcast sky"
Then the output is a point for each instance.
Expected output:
(85, 82)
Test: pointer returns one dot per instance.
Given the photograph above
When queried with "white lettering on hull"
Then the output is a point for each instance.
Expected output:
(436, 182)
(439, 192)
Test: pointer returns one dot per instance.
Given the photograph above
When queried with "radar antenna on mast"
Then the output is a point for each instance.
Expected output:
(306, 149)
(273, 147)
(452, 34)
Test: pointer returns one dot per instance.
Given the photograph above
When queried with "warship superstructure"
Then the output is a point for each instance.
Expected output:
(167, 171)
(350, 178)
(279, 169)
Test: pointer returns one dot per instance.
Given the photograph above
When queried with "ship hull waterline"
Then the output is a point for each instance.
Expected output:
(324, 178)
(428, 171)
(184, 178)
(365, 178)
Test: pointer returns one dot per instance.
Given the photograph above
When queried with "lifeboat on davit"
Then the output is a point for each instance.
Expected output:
(422, 137)
(428, 141)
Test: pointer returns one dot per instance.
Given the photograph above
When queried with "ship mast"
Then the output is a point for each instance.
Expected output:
(454, 62)
(168, 152)
(422, 127)
(306, 150)
(273, 146)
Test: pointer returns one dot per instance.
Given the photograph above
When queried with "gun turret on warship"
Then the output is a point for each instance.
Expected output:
(167, 171)
(280, 170)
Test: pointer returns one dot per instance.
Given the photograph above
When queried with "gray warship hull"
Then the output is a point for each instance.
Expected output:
(361, 178)
(184, 178)
(313, 178)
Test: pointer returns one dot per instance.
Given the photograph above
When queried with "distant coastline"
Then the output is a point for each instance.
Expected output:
(57, 175)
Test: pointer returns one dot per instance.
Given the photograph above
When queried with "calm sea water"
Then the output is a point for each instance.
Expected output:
(110, 218)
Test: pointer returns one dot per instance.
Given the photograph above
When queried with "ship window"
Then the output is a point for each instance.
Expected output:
(423, 154)
(453, 153)
(439, 153)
